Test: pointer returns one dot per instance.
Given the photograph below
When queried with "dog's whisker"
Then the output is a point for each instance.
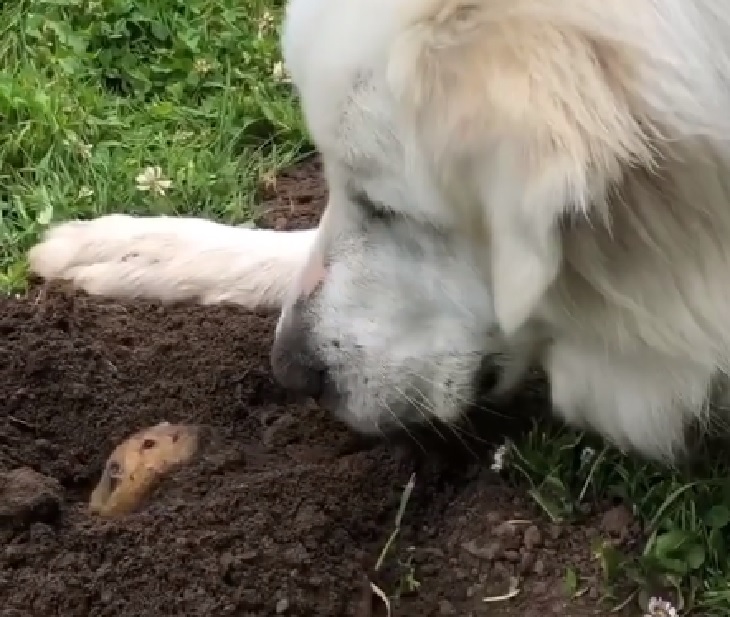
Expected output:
(451, 426)
(466, 402)
(386, 405)
(400, 423)
(426, 413)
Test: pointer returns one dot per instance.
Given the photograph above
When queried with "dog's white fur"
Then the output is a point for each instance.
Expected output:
(174, 259)
(558, 168)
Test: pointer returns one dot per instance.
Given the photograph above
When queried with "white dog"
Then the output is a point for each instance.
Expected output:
(510, 181)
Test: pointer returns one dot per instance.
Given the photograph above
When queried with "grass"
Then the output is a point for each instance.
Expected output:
(684, 512)
(94, 92)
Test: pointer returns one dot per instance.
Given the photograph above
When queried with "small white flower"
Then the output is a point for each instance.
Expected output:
(202, 66)
(152, 180)
(85, 192)
(85, 150)
(587, 455)
(266, 21)
(279, 73)
(660, 608)
(500, 454)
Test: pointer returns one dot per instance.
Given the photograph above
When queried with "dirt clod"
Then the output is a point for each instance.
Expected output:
(617, 521)
(532, 538)
(27, 496)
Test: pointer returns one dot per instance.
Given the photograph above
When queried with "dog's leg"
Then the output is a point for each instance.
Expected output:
(173, 259)
(640, 402)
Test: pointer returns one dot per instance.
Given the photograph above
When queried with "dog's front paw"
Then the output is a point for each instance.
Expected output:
(120, 256)
(172, 259)
(66, 249)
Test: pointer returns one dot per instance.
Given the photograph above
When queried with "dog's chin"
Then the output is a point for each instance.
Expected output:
(372, 420)
(391, 422)
(371, 416)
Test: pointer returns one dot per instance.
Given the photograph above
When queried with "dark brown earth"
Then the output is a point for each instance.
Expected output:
(286, 515)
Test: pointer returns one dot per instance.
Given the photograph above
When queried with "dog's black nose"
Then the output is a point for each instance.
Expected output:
(299, 377)
(294, 361)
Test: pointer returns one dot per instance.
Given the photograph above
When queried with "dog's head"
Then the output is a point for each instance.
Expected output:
(392, 321)
(451, 170)
(395, 318)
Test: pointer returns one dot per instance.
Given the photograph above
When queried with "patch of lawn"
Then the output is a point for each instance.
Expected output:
(92, 93)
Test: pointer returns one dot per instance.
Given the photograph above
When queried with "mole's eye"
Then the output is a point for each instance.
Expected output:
(148, 443)
(114, 469)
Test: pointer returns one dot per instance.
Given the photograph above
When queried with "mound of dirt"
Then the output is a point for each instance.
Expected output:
(285, 513)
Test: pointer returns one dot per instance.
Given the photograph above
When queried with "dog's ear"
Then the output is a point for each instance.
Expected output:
(532, 118)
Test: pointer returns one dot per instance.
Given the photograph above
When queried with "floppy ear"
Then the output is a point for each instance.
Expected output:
(531, 116)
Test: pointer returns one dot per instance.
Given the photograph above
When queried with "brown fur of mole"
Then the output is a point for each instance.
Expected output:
(138, 463)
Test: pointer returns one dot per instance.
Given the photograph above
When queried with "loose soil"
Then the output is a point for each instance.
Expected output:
(287, 513)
